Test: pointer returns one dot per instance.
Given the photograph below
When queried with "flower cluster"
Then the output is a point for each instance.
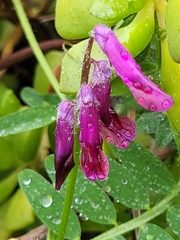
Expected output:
(96, 118)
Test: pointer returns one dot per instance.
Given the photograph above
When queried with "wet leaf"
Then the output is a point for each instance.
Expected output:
(89, 199)
(164, 133)
(147, 168)
(125, 187)
(173, 218)
(35, 99)
(47, 203)
(158, 124)
(28, 119)
(147, 122)
(153, 232)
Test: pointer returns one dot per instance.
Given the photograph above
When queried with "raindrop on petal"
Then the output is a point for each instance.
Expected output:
(148, 90)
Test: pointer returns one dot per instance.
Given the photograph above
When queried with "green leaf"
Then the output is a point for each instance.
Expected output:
(164, 133)
(26, 120)
(47, 203)
(8, 101)
(40, 81)
(147, 122)
(118, 238)
(118, 87)
(153, 232)
(158, 124)
(147, 168)
(125, 187)
(116, 9)
(173, 218)
(89, 199)
(35, 99)
(7, 185)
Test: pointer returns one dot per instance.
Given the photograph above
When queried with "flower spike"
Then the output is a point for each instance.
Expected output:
(144, 90)
(94, 162)
(64, 139)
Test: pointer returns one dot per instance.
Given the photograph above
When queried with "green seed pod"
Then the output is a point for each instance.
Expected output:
(173, 28)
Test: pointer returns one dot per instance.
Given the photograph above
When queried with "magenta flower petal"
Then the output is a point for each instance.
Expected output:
(120, 132)
(89, 118)
(145, 91)
(94, 163)
(101, 85)
(64, 142)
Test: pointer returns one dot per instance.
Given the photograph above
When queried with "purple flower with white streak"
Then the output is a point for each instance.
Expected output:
(94, 162)
(64, 139)
(144, 90)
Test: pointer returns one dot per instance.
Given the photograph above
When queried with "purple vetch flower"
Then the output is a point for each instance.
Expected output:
(115, 129)
(145, 91)
(64, 139)
(94, 162)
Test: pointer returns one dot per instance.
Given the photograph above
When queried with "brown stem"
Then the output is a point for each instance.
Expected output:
(87, 62)
(39, 233)
(27, 52)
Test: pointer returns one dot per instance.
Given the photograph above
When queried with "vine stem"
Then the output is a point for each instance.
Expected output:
(142, 219)
(69, 191)
(35, 46)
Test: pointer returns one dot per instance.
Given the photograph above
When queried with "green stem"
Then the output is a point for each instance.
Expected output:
(142, 219)
(69, 191)
(35, 46)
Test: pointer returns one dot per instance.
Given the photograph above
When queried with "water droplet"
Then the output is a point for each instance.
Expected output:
(108, 189)
(124, 181)
(53, 118)
(141, 100)
(166, 104)
(78, 201)
(127, 133)
(46, 201)
(138, 67)
(108, 139)
(49, 216)
(90, 127)
(137, 85)
(56, 221)
(124, 144)
(148, 90)
(94, 205)
(153, 107)
(125, 55)
(26, 182)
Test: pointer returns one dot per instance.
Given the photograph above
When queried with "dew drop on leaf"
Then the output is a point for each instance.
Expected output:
(27, 181)
(56, 221)
(46, 201)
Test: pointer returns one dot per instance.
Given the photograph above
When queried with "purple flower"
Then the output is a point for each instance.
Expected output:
(64, 139)
(145, 91)
(94, 162)
(115, 129)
